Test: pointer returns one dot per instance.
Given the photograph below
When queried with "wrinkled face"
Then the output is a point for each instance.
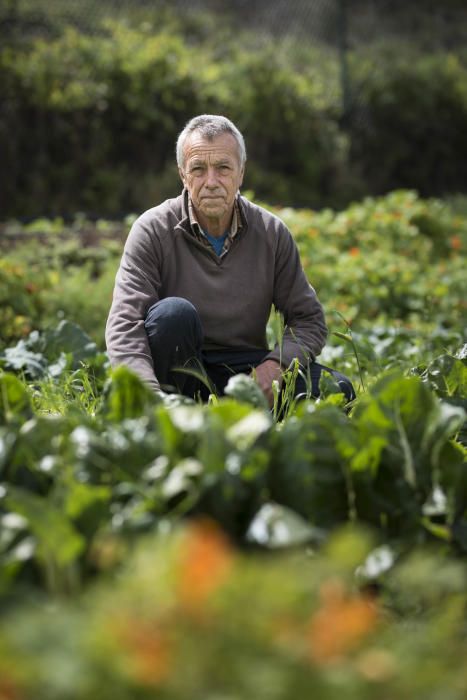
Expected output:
(212, 175)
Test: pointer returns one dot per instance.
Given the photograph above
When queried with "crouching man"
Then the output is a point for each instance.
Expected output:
(199, 275)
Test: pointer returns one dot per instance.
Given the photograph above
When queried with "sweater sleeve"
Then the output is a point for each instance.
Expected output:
(136, 289)
(305, 327)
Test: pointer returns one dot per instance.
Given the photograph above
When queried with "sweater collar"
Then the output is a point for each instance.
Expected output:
(235, 226)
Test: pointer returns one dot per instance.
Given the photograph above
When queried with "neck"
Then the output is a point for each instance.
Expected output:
(215, 227)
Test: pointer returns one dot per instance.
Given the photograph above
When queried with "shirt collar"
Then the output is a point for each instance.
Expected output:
(235, 225)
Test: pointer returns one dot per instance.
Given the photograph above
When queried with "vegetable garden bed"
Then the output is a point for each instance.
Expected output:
(163, 548)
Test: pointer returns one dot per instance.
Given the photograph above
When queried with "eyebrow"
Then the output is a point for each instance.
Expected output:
(198, 162)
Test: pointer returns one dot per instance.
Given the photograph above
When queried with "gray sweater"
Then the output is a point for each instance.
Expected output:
(232, 293)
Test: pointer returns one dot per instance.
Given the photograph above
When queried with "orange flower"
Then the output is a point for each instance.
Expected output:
(147, 650)
(456, 242)
(204, 564)
(8, 689)
(354, 252)
(340, 624)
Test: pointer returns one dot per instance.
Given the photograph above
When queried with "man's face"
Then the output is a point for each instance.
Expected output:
(212, 176)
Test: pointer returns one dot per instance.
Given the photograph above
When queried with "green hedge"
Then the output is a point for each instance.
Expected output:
(95, 118)
(409, 129)
(88, 123)
(297, 152)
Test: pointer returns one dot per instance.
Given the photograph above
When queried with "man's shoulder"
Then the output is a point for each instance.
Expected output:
(258, 216)
(170, 211)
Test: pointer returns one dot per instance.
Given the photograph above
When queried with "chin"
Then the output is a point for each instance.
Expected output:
(213, 212)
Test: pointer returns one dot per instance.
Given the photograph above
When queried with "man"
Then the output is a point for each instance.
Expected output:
(199, 274)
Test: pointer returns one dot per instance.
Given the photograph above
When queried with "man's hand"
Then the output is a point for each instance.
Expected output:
(265, 374)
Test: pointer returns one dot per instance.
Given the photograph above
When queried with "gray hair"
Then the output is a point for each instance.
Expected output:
(209, 126)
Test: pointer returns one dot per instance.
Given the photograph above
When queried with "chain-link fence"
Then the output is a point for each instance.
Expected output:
(340, 25)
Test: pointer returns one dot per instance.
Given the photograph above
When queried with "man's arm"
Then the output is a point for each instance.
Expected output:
(305, 332)
(136, 289)
(305, 326)
(265, 374)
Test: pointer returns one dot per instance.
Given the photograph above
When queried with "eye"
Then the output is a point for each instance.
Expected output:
(197, 169)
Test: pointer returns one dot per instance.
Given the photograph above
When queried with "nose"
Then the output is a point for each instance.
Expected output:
(211, 178)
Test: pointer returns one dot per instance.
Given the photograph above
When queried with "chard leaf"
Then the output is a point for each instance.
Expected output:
(244, 389)
(276, 527)
(448, 376)
(68, 338)
(15, 404)
(411, 429)
(57, 539)
(308, 471)
(20, 359)
(126, 395)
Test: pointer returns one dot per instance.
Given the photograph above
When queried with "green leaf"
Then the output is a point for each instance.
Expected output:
(38, 441)
(15, 404)
(57, 539)
(120, 451)
(246, 431)
(276, 527)
(344, 336)
(50, 352)
(68, 338)
(308, 470)
(442, 532)
(244, 389)
(350, 546)
(180, 429)
(20, 359)
(82, 497)
(233, 449)
(403, 432)
(181, 479)
(217, 440)
(126, 395)
(230, 500)
(448, 376)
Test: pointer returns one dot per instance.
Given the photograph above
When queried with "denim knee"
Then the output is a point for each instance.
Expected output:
(173, 316)
(175, 338)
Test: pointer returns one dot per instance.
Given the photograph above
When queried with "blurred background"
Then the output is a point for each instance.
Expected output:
(355, 116)
(337, 99)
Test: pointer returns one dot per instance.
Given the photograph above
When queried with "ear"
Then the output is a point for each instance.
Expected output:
(182, 176)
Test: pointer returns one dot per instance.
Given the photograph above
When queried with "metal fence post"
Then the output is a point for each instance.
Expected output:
(343, 46)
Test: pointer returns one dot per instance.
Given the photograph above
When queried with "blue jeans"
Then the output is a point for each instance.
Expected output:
(175, 338)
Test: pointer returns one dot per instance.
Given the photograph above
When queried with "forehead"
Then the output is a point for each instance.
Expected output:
(223, 146)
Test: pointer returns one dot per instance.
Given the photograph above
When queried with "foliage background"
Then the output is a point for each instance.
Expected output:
(337, 99)
(157, 547)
